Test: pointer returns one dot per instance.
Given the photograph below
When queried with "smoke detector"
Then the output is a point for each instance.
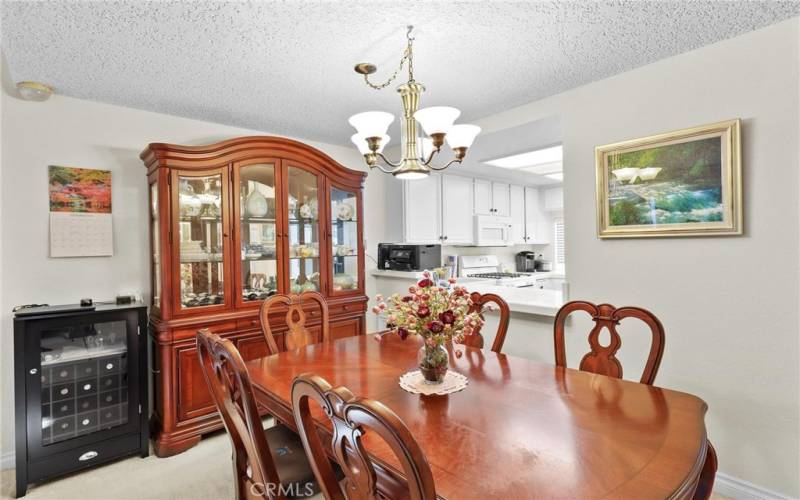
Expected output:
(34, 91)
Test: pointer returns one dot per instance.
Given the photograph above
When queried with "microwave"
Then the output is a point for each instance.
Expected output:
(409, 257)
(492, 231)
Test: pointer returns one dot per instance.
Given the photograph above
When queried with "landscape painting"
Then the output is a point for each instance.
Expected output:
(682, 183)
(80, 190)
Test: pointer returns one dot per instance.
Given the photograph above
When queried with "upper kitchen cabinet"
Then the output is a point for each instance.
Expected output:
(518, 215)
(422, 210)
(458, 223)
(491, 198)
(500, 199)
(483, 197)
(536, 226)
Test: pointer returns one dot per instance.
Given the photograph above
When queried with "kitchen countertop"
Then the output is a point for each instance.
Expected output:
(528, 300)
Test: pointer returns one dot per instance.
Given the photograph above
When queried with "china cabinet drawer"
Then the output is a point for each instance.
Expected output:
(218, 328)
(79, 458)
(248, 324)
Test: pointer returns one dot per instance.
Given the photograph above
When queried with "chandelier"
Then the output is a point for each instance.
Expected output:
(436, 121)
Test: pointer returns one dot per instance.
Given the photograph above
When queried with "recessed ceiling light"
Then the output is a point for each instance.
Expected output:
(556, 177)
(544, 168)
(34, 91)
(529, 159)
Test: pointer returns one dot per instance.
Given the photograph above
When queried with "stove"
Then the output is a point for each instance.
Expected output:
(487, 268)
(495, 276)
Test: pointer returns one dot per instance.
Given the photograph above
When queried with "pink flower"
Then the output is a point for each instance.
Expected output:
(382, 306)
(423, 311)
(425, 297)
(426, 274)
(407, 298)
(379, 298)
(376, 310)
(412, 289)
(451, 280)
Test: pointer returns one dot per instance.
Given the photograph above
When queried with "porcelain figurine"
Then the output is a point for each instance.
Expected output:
(256, 204)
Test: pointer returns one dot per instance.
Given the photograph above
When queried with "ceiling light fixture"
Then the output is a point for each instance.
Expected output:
(540, 156)
(436, 121)
(34, 91)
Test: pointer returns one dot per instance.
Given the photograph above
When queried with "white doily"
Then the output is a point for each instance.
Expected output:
(415, 383)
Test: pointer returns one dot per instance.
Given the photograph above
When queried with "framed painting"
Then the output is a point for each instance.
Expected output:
(682, 183)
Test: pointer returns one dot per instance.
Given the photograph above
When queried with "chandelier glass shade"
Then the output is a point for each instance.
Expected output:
(417, 154)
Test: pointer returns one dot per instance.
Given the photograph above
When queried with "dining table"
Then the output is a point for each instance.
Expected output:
(520, 428)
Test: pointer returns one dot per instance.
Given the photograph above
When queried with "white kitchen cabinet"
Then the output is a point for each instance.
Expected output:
(517, 213)
(483, 197)
(422, 216)
(536, 221)
(457, 219)
(500, 199)
(554, 199)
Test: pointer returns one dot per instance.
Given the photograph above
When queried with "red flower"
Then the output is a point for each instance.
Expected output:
(402, 333)
(435, 326)
(423, 311)
(425, 283)
(407, 298)
(447, 317)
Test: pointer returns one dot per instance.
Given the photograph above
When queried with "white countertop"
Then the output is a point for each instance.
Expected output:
(529, 300)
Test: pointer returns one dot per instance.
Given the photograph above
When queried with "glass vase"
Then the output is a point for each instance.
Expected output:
(433, 363)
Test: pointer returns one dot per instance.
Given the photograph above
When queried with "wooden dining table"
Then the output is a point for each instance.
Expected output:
(520, 429)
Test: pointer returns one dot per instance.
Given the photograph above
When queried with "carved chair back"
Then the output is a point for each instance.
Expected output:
(229, 384)
(297, 335)
(479, 302)
(602, 359)
(351, 417)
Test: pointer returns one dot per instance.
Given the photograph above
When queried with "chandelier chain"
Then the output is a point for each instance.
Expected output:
(408, 55)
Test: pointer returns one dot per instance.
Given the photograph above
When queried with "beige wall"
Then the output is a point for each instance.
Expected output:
(66, 131)
(729, 305)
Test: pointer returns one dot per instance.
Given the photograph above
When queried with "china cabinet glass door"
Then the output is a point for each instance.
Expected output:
(257, 232)
(345, 242)
(202, 236)
(155, 243)
(303, 231)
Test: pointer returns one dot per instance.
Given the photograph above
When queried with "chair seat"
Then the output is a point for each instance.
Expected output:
(290, 458)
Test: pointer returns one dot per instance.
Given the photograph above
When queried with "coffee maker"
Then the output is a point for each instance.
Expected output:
(526, 262)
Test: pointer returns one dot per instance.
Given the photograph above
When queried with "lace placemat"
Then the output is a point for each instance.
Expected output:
(415, 383)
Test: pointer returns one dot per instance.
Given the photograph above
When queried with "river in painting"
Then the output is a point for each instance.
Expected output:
(676, 183)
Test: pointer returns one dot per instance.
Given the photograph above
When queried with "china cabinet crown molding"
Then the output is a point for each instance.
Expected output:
(204, 258)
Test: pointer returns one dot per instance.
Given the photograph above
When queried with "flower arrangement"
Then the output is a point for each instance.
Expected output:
(439, 313)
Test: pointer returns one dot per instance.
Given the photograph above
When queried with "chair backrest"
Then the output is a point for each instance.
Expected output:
(478, 303)
(351, 418)
(229, 384)
(297, 335)
(601, 359)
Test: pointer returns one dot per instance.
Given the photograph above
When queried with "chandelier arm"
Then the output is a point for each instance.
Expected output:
(427, 162)
(455, 160)
(380, 167)
(386, 160)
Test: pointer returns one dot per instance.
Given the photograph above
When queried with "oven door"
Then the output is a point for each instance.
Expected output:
(491, 231)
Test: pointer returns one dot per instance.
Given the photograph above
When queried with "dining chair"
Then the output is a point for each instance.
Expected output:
(479, 302)
(267, 463)
(351, 418)
(602, 359)
(297, 335)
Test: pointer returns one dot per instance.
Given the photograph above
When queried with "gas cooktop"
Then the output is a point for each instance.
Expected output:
(495, 276)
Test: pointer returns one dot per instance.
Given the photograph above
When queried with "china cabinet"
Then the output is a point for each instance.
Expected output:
(233, 223)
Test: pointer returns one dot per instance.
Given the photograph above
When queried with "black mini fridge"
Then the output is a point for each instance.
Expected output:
(80, 384)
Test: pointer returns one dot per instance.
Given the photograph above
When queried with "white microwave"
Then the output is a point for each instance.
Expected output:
(492, 231)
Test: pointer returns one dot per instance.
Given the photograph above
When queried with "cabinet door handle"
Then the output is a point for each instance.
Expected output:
(33, 371)
(445, 237)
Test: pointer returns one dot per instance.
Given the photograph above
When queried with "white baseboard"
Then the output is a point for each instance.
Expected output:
(739, 489)
(7, 460)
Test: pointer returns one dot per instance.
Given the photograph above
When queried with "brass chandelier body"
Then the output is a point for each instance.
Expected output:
(416, 161)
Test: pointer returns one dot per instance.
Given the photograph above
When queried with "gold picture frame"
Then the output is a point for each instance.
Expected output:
(682, 183)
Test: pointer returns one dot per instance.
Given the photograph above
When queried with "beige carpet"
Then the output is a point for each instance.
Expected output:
(203, 472)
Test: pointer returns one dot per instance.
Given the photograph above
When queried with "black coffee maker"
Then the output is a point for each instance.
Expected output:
(526, 262)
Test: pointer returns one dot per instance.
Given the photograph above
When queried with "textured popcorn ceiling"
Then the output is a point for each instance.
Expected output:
(286, 67)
